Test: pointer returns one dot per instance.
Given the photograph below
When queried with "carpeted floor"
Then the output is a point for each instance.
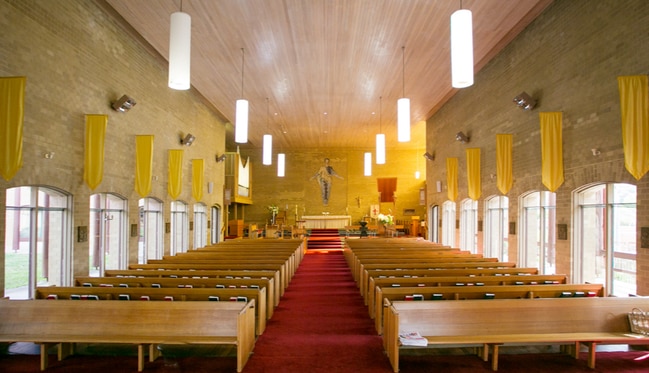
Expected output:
(321, 325)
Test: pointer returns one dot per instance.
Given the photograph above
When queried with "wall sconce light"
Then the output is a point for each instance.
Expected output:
(124, 104)
(221, 158)
(596, 152)
(430, 157)
(461, 137)
(524, 101)
(187, 140)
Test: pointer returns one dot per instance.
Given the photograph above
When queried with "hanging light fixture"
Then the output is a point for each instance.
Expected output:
(461, 48)
(417, 173)
(241, 115)
(281, 160)
(380, 139)
(268, 140)
(403, 107)
(368, 164)
(180, 37)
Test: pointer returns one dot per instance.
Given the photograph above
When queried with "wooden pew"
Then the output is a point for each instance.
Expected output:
(569, 321)
(149, 282)
(188, 273)
(455, 281)
(456, 293)
(143, 324)
(161, 294)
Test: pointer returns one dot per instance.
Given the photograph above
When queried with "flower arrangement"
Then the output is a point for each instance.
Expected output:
(273, 209)
(386, 219)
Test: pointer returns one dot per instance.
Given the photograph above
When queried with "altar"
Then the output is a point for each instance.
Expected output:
(326, 221)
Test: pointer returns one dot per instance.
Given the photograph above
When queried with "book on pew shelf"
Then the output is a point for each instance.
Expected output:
(87, 284)
(242, 299)
(232, 286)
(479, 284)
(145, 297)
(156, 286)
(52, 296)
(213, 298)
(421, 285)
(181, 286)
(437, 296)
(417, 297)
(254, 286)
(592, 294)
(519, 283)
(123, 285)
(173, 276)
(565, 294)
(219, 286)
(579, 294)
(233, 299)
(92, 297)
(189, 286)
(105, 285)
(412, 339)
(169, 298)
(395, 285)
(124, 297)
(75, 296)
(489, 296)
(408, 297)
(459, 284)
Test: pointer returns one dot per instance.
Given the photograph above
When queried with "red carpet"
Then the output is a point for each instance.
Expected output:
(322, 238)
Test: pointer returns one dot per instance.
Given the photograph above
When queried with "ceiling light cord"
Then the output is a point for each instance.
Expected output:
(403, 69)
(242, 67)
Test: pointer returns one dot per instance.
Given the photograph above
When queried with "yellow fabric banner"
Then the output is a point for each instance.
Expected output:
(143, 164)
(451, 178)
(12, 104)
(504, 173)
(93, 170)
(175, 185)
(473, 173)
(634, 107)
(551, 150)
(197, 179)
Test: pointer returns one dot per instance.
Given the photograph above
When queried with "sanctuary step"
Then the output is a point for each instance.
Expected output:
(324, 238)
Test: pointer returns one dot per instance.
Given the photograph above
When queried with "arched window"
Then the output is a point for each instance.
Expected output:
(200, 225)
(537, 239)
(469, 225)
(604, 238)
(107, 233)
(38, 240)
(496, 226)
(179, 227)
(150, 242)
(448, 223)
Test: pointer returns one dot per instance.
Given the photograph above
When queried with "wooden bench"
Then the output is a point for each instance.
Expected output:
(484, 293)
(456, 281)
(162, 294)
(151, 282)
(66, 323)
(569, 321)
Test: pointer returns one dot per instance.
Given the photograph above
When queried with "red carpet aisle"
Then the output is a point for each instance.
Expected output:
(320, 325)
(324, 238)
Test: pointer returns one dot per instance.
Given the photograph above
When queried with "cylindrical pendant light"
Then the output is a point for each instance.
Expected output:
(180, 36)
(267, 150)
(403, 107)
(241, 114)
(380, 139)
(368, 164)
(281, 160)
(462, 49)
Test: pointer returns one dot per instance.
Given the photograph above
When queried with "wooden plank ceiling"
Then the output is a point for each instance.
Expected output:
(327, 73)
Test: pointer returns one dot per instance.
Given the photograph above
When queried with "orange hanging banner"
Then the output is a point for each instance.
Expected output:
(634, 107)
(551, 150)
(504, 168)
(197, 179)
(473, 173)
(143, 164)
(93, 170)
(451, 178)
(12, 105)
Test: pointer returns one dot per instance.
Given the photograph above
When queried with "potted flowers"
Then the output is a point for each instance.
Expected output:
(274, 210)
(386, 219)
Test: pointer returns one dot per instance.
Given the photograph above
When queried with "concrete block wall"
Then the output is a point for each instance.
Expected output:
(568, 59)
(78, 58)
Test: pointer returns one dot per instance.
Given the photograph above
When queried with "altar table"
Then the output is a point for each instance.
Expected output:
(326, 221)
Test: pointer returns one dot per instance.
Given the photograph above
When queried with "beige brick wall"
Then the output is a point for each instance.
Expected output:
(569, 60)
(78, 59)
